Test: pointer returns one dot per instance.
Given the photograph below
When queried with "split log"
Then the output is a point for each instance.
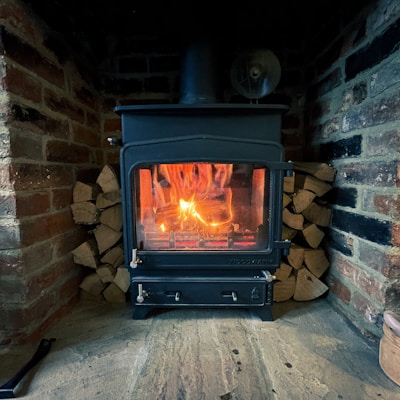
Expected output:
(106, 237)
(286, 200)
(296, 256)
(288, 233)
(316, 261)
(308, 286)
(85, 213)
(114, 256)
(112, 217)
(312, 184)
(289, 183)
(105, 200)
(283, 272)
(86, 254)
(312, 235)
(122, 279)
(284, 290)
(295, 221)
(93, 284)
(113, 294)
(302, 199)
(84, 192)
(322, 171)
(108, 179)
(318, 214)
(106, 273)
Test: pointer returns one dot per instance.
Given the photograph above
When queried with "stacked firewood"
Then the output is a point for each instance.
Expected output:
(98, 205)
(305, 219)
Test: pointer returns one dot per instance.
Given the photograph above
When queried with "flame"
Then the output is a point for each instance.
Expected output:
(189, 194)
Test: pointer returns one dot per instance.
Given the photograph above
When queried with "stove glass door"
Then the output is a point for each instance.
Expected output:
(202, 206)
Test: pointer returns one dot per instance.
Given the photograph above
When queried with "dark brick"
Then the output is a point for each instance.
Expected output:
(330, 56)
(340, 242)
(86, 96)
(372, 113)
(344, 148)
(57, 151)
(34, 176)
(164, 64)
(371, 229)
(122, 86)
(342, 196)
(132, 65)
(30, 119)
(376, 174)
(26, 146)
(376, 51)
(157, 84)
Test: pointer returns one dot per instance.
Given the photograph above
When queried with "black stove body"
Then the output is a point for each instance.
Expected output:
(202, 193)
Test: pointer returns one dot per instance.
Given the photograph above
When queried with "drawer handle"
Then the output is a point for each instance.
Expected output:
(230, 294)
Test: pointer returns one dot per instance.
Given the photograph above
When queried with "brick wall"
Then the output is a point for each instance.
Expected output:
(353, 121)
(49, 131)
(54, 126)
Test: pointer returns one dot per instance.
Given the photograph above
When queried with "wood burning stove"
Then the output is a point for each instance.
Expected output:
(202, 202)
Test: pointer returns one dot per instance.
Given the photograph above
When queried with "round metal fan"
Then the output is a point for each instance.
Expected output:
(256, 73)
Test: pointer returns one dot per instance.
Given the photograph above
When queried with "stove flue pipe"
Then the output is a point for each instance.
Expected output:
(199, 80)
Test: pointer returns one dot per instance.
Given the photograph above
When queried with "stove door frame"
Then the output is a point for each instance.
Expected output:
(218, 149)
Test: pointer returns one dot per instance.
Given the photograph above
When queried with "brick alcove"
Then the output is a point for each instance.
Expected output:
(62, 75)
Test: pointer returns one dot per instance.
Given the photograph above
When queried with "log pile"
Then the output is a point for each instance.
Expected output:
(305, 218)
(98, 205)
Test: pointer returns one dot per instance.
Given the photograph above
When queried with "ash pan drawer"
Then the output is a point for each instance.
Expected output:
(200, 293)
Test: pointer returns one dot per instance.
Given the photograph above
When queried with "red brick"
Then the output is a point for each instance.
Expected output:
(339, 289)
(112, 125)
(86, 96)
(61, 198)
(24, 54)
(387, 205)
(60, 104)
(41, 228)
(66, 242)
(33, 204)
(62, 152)
(86, 135)
(20, 83)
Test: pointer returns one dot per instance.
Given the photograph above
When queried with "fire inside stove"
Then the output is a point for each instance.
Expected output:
(202, 206)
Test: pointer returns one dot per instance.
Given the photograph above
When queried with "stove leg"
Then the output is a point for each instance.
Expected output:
(265, 313)
(140, 312)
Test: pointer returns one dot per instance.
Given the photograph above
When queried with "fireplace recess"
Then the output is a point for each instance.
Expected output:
(202, 189)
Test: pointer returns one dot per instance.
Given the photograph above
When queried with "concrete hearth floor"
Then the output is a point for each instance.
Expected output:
(307, 352)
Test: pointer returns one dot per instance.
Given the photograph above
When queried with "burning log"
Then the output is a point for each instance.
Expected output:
(100, 204)
(305, 216)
